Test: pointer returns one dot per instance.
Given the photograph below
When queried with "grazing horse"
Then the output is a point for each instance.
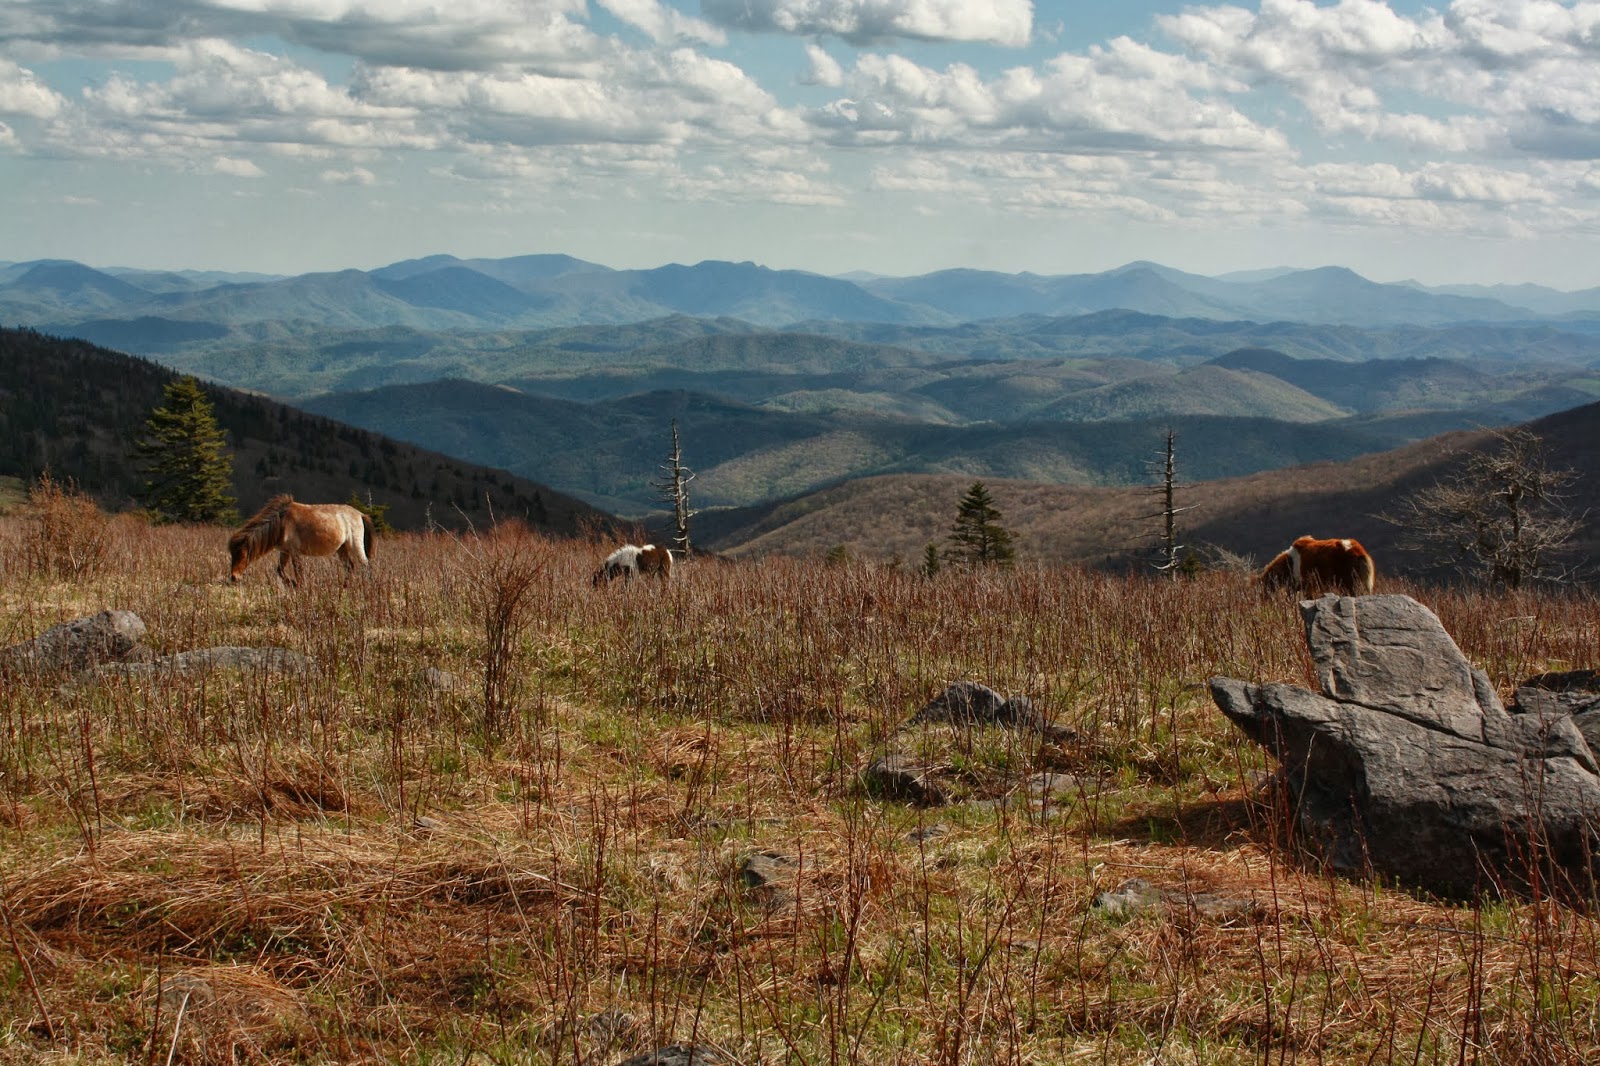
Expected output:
(631, 559)
(297, 529)
(1314, 566)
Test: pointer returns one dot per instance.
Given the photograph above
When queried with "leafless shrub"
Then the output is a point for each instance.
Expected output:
(68, 535)
(504, 569)
(1500, 517)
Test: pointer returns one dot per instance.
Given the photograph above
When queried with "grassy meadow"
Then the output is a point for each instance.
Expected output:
(542, 851)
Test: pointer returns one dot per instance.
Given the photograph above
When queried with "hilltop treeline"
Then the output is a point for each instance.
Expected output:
(75, 410)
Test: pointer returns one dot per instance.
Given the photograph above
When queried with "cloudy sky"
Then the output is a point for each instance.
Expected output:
(1458, 142)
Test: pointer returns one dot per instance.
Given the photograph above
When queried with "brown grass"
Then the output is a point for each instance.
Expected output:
(543, 860)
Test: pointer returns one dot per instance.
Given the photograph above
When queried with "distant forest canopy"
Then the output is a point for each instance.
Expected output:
(75, 409)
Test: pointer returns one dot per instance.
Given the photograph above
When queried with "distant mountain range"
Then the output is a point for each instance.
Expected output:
(540, 291)
(569, 373)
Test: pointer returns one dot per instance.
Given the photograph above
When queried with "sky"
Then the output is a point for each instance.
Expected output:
(1448, 143)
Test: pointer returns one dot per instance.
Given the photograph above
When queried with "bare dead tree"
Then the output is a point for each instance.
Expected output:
(1501, 517)
(1166, 491)
(674, 488)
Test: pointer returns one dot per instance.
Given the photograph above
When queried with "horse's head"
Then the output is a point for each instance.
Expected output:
(238, 556)
(1277, 575)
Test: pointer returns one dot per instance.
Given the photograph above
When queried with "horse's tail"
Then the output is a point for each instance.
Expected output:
(366, 535)
(1365, 570)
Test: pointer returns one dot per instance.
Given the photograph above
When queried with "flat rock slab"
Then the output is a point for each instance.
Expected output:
(1408, 764)
(109, 636)
(1137, 896)
(206, 661)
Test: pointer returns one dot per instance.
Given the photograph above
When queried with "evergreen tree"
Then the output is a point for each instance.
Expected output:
(378, 512)
(977, 538)
(185, 459)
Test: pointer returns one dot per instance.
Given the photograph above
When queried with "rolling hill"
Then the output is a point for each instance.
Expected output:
(884, 518)
(74, 409)
(608, 451)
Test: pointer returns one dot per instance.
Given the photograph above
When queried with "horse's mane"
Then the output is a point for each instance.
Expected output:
(262, 532)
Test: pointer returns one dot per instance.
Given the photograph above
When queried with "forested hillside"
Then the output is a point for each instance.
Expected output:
(75, 410)
(1254, 516)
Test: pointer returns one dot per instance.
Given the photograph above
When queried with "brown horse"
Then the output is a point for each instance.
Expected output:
(297, 529)
(1312, 567)
(631, 559)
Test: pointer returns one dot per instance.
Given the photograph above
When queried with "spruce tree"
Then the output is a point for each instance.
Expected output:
(185, 460)
(977, 538)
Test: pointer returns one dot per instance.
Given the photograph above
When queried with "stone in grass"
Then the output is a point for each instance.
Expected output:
(270, 660)
(896, 776)
(969, 703)
(770, 877)
(1571, 694)
(680, 1055)
(109, 636)
(1408, 765)
(1137, 896)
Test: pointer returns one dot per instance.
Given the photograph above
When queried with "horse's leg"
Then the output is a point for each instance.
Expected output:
(289, 567)
(348, 552)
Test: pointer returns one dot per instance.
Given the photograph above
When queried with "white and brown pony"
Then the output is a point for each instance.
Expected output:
(632, 560)
(297, 529)
(1312, 567)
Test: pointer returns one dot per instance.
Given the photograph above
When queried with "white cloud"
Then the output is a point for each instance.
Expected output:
(1126, 97)
(1442, 182)
(22, 93)
(1002, 22)
(236, 168)
(353, 176)
(458, 35)
(1482, 76)
(824, 69)
(664, 24)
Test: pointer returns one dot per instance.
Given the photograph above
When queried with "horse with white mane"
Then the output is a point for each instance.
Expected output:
(635, 559)
(297, 529)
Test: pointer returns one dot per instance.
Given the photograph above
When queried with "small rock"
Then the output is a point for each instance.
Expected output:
(969, 703)
(895, 776)
(1134, 896)
(767, 869)
(680, 1055)
(1137, 896)
(1064, 786)
(444, 681)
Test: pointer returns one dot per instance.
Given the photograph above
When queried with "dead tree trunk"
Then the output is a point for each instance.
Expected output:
(674, 488)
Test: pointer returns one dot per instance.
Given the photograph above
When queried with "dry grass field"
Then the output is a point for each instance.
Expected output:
(545, 857)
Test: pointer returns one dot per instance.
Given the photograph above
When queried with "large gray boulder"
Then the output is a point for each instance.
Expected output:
(110, 636)
(1408, 764)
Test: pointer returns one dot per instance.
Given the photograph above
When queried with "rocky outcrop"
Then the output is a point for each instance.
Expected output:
(1408, 764)
(109, 636)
